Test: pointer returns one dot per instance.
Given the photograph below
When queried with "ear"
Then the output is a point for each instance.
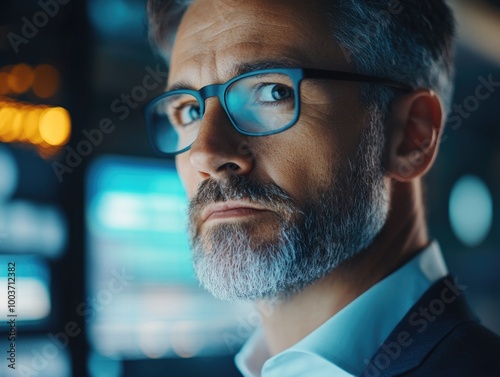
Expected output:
(415, 124)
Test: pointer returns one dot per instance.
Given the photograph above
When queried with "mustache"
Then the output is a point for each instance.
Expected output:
(236, 187)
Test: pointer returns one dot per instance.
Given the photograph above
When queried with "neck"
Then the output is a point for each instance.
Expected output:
(403, 235)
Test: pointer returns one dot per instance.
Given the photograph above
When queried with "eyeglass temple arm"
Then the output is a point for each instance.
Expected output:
(350, 76)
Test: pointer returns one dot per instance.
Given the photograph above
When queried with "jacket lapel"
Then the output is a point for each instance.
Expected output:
(435, 315)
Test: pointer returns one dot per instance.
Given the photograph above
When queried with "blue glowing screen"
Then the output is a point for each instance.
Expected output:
(143, 300)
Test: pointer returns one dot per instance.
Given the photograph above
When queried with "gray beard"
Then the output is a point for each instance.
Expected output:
(311, 240)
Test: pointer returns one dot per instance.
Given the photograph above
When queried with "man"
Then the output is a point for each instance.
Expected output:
(302, 132)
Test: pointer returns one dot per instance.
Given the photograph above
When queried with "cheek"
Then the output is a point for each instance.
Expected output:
(338, 118)
(300, 160)
(306, 158)
(187, 174)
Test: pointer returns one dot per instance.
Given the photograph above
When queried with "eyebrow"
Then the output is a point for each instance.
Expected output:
(243, 68)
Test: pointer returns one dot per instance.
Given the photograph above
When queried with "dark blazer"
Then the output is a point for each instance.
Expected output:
(439, 336)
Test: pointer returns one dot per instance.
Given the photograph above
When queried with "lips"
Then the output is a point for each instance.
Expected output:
(230, 210)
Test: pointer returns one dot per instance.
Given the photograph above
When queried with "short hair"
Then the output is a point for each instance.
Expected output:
(164, 18)
(411, 41)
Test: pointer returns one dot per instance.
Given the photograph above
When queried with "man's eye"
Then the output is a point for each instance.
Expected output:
(275, 92)
(188, 114)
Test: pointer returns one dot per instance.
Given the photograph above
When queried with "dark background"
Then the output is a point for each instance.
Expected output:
(100, 50)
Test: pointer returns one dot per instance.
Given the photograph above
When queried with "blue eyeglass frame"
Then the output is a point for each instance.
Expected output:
(295, 74)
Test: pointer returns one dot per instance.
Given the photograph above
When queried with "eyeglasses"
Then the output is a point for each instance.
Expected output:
(258, 103)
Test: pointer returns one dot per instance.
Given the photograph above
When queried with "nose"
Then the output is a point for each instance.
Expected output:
(219, 148)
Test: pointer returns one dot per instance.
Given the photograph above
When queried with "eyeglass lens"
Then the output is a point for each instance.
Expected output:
(256, 104)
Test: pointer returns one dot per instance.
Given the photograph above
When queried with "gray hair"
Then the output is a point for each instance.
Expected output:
(411, 41)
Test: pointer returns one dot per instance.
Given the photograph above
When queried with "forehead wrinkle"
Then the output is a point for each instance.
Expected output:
(258, 12)
(240, 69)
(197, 29)
(220, 65)
(225, 37)
(252, 30)
(250, 19)
(214, 40)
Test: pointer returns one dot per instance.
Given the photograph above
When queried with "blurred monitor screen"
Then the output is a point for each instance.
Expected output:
(143, 300)
(29, 282)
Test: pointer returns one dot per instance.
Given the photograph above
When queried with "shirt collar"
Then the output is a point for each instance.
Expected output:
(344, 344)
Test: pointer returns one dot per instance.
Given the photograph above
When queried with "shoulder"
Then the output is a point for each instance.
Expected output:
(439, 336)
(469, 350)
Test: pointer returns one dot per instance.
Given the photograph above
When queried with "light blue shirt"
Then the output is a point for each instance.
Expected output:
(343, 345)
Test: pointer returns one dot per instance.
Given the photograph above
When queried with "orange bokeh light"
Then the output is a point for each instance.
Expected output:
(4, 83)
(55, 126)
(31, 122)
(46, 82)
(7, 117)
(40, 125)
(17, 124)
(20, 78)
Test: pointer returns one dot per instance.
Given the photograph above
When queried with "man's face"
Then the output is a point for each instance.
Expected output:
(299, 202)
